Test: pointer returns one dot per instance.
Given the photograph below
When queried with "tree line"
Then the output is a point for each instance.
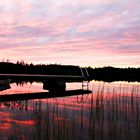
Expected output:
(103, 74)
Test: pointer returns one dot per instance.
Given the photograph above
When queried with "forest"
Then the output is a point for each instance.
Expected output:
(102, 74)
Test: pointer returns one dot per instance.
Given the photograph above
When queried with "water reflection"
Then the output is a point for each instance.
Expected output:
(110, 112)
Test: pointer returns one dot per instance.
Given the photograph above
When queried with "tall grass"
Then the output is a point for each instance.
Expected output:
(109, 113)
(117, 113)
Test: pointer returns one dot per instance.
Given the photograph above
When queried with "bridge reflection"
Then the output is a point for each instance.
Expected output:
(42, 95)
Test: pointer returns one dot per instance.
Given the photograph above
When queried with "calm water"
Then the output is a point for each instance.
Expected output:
(110, 112)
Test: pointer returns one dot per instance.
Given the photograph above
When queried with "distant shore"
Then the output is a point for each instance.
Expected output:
(108, 74)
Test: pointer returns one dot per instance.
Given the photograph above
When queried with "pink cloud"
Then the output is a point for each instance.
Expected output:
(53, 31)
(90, 2)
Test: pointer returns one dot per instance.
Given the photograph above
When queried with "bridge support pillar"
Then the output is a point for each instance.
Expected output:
(54, 85)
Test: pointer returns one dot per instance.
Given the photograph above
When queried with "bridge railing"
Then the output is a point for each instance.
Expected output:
(84, 73)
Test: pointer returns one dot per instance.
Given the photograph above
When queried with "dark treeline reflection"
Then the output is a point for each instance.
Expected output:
(103, 74)
(107, 114)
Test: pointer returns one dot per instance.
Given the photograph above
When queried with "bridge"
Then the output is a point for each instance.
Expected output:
(83, 75)
(53, 82)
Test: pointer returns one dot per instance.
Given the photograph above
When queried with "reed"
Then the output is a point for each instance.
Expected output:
(110, 113)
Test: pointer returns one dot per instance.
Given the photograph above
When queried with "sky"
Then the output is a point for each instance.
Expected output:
(92, 33)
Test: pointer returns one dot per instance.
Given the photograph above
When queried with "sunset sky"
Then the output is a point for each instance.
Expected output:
(80, 32)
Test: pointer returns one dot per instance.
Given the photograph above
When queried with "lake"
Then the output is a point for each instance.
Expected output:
(110, 112)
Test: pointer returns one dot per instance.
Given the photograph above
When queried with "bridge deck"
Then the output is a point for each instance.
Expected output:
(43, 77)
